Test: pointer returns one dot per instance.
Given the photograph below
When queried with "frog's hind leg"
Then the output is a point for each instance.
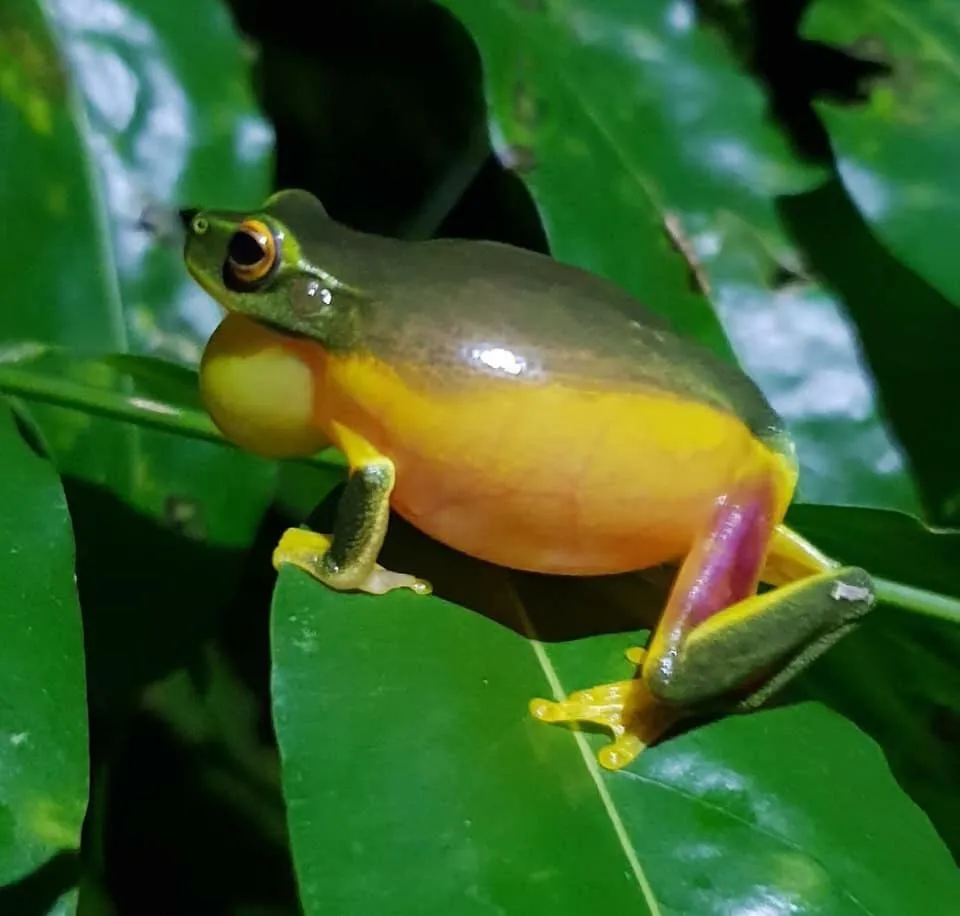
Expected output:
(744, 647)
(718, 641)
(815, 599)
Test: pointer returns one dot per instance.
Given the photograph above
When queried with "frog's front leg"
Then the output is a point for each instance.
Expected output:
(347, 559)
(718, 642)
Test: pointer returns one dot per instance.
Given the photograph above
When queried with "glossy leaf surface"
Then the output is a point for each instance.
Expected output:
(419, 774)
(114, 115)
(43, 715)
(896, 152)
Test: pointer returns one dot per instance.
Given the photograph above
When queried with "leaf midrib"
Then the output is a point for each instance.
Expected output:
(589, 762)
(756, 828)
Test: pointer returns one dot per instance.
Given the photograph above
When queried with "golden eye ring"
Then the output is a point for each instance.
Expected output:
(252, 253)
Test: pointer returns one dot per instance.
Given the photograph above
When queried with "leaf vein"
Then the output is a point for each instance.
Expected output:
(586, 753)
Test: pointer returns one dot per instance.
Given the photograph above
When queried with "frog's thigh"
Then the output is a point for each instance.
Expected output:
(793, 557)
(766, 640)
(347, 560)
(718, 638)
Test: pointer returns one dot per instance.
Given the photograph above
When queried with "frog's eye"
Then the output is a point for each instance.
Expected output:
(252, 253)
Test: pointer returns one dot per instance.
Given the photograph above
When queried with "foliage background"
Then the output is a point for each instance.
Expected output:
(780, 182)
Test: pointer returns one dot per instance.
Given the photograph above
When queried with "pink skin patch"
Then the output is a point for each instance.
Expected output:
(724, 567)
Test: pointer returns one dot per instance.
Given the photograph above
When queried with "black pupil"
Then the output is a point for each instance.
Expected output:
(245, 250)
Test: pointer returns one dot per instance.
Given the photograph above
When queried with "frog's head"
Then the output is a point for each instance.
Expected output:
(256, 264)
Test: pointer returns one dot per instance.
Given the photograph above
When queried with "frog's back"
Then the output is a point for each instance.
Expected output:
(491, 311)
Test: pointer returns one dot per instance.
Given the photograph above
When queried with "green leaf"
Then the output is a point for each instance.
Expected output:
(896, 153)
(889, 544)
(416, 781)
(115, 111)
(43, 716)
(637, 134)
(915, 713)
(908, 333)
(142, 390)
(110, 112)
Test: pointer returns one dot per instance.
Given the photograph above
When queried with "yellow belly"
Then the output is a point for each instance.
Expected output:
(547, 477)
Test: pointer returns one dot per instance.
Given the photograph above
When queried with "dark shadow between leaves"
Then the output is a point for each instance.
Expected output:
(150, 594)
(401, 77)
(795, 71)
(36, 894)
(188, 834)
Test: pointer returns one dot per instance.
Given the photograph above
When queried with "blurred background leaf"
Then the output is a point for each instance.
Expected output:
(895, 152)
(113, 112)
(43, 714)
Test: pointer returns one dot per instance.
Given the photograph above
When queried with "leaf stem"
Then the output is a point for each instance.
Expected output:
(113, 405)
(63, 392)
(918, 600)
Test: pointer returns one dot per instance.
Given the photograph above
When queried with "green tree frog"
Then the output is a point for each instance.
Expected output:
(532, 415)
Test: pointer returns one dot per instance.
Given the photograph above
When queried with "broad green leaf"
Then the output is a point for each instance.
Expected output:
(897, 680)
(896, 153)
(416, 782)
(909, 334)
(636, 133)
(109, 111)
(43, 716)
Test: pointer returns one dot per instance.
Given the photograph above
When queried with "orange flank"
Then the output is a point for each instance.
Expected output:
(540, 475)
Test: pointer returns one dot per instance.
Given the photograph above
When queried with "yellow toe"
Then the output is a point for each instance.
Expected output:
(300, 547)
(544, 710)
(626, 709)
(620, 753)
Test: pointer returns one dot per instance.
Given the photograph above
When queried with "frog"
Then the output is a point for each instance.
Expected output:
(533, 415)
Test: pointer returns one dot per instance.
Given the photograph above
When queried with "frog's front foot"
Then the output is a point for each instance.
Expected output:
(309, 551)
(626, 708)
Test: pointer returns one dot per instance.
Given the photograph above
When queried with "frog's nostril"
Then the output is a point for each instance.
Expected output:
(187, 215)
